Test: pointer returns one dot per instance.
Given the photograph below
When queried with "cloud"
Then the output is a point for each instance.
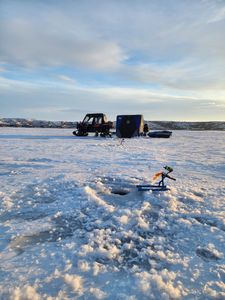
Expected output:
(98, 54)
(185, 75)
(66, 78)
(218, 15)
(54, 39)
(93, 30)
(71, 102)
(166, 40)
(2, 69)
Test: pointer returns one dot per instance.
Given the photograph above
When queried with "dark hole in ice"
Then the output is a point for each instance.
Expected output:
(121, 192)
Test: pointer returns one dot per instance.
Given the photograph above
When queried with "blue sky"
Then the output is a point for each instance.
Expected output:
(164, 59)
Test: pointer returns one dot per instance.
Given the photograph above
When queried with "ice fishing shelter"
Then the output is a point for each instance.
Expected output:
(128, 126)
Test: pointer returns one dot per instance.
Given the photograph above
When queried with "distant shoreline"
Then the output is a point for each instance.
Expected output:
(153, 125)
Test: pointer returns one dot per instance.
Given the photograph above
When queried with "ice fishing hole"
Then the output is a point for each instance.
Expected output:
(120, 192)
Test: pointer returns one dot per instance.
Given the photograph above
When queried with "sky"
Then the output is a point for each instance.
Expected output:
(164, 59)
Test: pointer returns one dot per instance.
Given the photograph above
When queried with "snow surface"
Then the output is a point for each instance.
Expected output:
(67, 233)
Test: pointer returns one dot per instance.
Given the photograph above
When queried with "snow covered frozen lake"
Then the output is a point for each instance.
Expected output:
(67, 233)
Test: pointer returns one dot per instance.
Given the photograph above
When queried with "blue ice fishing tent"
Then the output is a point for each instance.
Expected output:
(128, 126)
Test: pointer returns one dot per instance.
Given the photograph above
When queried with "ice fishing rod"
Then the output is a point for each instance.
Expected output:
(161, 184)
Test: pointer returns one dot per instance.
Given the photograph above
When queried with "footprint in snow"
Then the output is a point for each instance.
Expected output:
(206, 254)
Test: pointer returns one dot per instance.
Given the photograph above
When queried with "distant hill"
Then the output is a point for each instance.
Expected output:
(30, 123)
(153, 125)
(175, 125)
